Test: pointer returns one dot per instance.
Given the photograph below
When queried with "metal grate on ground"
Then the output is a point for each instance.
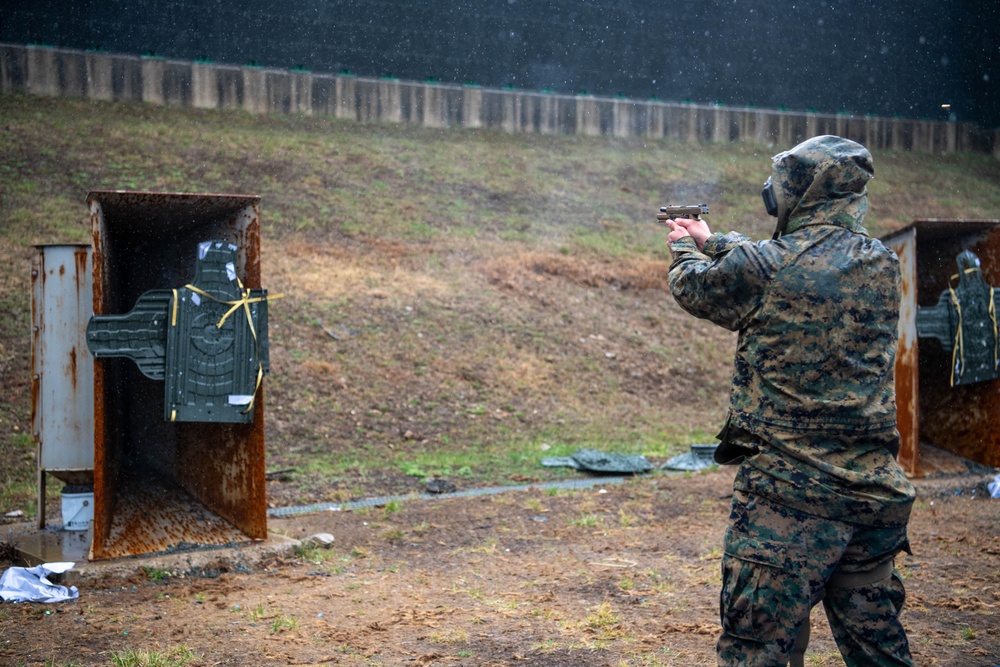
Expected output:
(384, 500)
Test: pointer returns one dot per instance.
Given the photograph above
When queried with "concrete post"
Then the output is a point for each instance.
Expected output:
(99, 76)
(204, 86)
(472, 106)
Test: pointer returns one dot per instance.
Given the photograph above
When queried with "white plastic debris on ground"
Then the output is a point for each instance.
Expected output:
(31, 584)
(994, 487)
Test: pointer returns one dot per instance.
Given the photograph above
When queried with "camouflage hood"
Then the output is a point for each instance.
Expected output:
(822, 181)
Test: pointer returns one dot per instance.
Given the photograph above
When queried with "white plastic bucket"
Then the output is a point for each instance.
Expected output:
(77, 510)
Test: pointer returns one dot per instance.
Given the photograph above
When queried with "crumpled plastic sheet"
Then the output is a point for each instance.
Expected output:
(31, 584)
(688, 461)
(592, 460)
(994, 487)
(699, 458)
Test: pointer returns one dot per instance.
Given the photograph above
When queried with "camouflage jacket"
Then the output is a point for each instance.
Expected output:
(812, 405)
(816, 308)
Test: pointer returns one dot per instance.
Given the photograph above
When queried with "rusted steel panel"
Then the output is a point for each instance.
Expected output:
(907, 414)
(145, 241)
(62, 396)
(104, 437)
(236, 490)
(154, 515)
(62, 405)
(963, 419)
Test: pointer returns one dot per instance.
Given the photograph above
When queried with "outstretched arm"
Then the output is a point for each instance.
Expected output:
(725, 281)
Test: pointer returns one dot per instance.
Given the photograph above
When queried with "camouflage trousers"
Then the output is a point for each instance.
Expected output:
(780, 562)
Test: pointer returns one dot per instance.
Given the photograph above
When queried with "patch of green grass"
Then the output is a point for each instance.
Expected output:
(173, 657)
(627, 520)
(829, 659)
(604, 620)
(587, 521)
(450, 636)
(394, 535)
(427, 463)
(157, 575)
(314, 553)
(284, 622)
(256, 613)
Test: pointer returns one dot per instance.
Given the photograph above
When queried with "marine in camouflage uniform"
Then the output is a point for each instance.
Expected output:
(820, 505)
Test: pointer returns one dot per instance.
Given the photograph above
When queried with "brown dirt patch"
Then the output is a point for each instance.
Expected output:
(619, 574)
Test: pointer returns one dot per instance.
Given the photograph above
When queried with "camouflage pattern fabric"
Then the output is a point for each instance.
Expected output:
(812, 417)
(822, 180)
(817, 310)
(777, 566)
(852, 477)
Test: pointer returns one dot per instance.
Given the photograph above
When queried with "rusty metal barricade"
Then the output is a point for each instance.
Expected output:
(943, 398)
(161, 484)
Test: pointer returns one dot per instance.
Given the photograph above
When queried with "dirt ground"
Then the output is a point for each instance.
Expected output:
(565, 338)
(615, 574)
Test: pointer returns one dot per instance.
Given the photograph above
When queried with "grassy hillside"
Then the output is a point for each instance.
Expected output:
(459, 302)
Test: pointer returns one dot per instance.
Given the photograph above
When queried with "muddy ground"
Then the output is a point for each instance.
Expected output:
(616, 574)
